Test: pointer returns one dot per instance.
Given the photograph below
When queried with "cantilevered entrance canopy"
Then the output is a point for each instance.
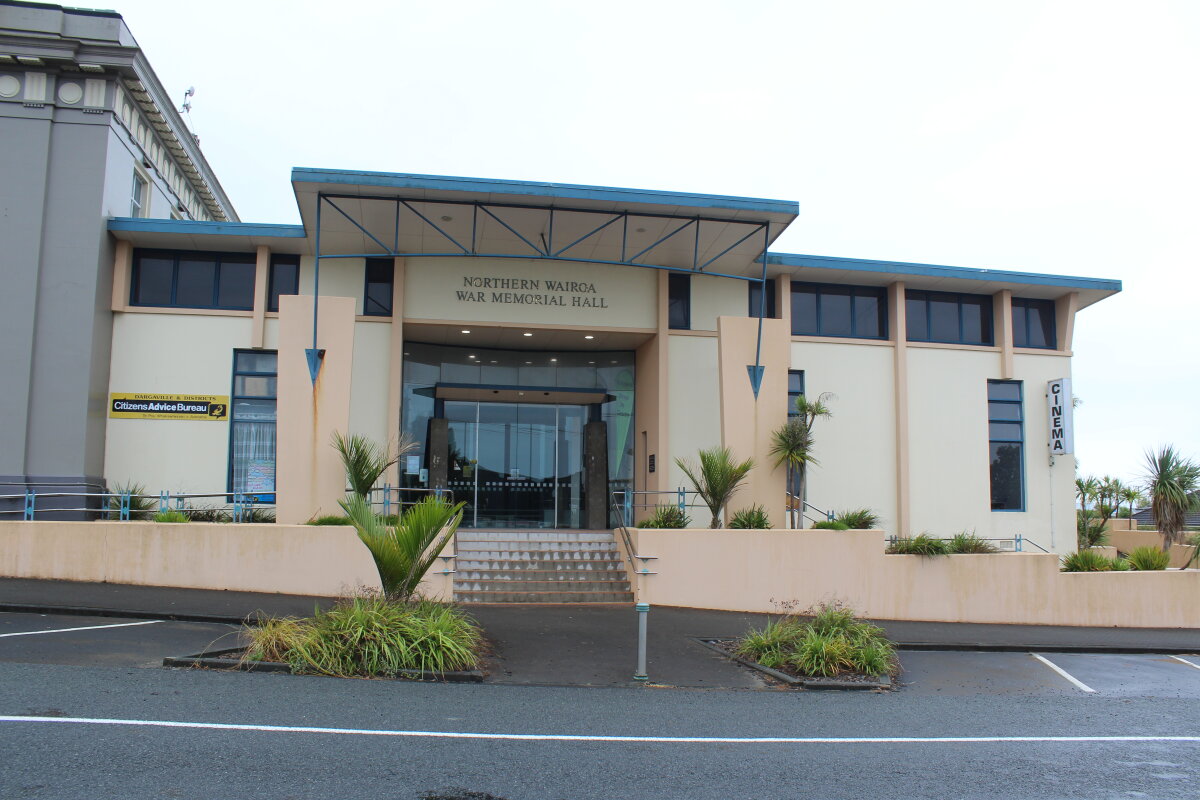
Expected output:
(356, 214)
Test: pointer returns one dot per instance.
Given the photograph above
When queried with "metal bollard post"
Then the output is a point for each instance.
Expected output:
(643, 610)
(30, 503)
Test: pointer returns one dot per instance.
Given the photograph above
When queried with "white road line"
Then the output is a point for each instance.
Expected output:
(87, 628)
(560, 737)
(1185, 661)
(1078, 683)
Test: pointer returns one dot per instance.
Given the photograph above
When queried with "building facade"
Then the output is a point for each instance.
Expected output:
(544, 346)
(88, 134)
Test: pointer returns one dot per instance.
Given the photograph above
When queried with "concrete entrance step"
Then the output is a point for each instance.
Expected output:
(542, 597)
(534, 545)
(527, 576)
(473, 535)
(587, 566)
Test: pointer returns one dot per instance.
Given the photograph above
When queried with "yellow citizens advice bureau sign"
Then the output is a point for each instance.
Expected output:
(169, 406)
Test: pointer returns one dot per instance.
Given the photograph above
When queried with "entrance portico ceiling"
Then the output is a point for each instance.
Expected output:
(381, 214)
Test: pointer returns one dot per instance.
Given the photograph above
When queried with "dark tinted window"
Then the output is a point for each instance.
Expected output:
(285, 279)
(377, 298)
(193, 280)
(1006, 445)
(756, 299)
(235, 287)
(1034, 323)
(152, 281)
(795, 389)
(252, 428)
(197, 278)
(822, 309)
(679, 301)
(951, 318)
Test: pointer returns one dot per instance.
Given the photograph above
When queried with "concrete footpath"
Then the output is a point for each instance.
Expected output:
(582, 644)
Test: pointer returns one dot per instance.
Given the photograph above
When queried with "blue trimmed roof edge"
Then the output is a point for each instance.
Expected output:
(203, 228)
(940, 271)
(400, 180)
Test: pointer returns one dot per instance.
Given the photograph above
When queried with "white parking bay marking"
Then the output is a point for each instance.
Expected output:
(1191, 664)
(85, 628)
(564, 737)
(1078, 683)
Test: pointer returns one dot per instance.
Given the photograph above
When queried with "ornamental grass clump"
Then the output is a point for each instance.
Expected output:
(861, 519)
(171, 516)
(367, 637)
(920, 545)
(666, 517)
(1148, 558)
(964, 542)
(1093, 561)
(752, 518)
(833, 643)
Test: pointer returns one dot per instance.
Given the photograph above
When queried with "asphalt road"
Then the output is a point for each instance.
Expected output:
(72, 731)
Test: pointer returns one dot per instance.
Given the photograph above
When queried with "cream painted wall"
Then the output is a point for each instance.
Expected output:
(432, 286)
(172, 354)
(714, 297)
(271, 333)
(369, 384)
(856, 447)
(694, 418)
(949, 449)
(340, 277)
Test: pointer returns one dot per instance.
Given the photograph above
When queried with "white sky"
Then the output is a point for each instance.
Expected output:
(1056, 137)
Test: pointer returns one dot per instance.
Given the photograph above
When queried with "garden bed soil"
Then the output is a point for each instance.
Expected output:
(231, 659)
(728, 648)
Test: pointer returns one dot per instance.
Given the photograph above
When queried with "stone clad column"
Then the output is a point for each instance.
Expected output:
(595, 475)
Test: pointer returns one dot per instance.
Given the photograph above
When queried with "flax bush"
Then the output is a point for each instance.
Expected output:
(834, 642)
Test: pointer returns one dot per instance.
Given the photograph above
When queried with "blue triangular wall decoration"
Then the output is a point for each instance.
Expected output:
(314, 358)
(756, 376)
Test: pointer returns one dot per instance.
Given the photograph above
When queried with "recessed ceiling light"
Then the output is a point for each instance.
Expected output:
(447, 218)
(591, 362)
(527, 333)
(554, 359)
(470, 356)
(493, 361)
(466, 331)
(640, 230)
(528, 362)
(612, 362)
(589, 336)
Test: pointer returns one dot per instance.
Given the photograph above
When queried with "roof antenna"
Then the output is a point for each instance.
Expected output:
(186, 108)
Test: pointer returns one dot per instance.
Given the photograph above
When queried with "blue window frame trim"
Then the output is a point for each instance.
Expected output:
(234, 397)
(176, 255)
(986, 304)
(1011, 414)
(878, 293)
(795, 389)
(1043, 306)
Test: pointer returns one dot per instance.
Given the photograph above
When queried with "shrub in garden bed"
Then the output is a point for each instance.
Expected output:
(367, 637)
(1093, 561)
(833, 643)
(666, 517)
(858, 519)
(920, 545)
(970, 543)
(1148, 558)
(752, 518)
(830, 525)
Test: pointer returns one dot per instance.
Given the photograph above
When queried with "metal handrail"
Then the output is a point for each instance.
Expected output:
(242, 503)
(826, 516)
(387, 489)
(628, 540)
(1018, 541)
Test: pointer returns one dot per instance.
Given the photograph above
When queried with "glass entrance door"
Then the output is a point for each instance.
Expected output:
(517, 465)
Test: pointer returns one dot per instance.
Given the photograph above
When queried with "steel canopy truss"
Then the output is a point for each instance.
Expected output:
(374, 226)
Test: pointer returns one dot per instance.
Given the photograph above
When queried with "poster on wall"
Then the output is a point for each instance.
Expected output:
(1062, 423)
(200, 407)
(260, 476)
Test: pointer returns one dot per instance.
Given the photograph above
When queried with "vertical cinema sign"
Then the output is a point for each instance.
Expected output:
(1062, 423)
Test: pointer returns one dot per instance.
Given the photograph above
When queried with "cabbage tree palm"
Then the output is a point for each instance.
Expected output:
(365, 460)
(404, 552)
(1133, 496)
(1172, 483)
(791, 445)
(716, 478)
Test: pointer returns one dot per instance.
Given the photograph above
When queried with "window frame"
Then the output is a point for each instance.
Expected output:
(878, 293)
(391, 283)
(1030, 302)
(792, 413)
(139, 196)
(987, 306)
(675, 280)
(272, 295)
(1019, 403)
(234, 397)
(772, 308)
(176, 256)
